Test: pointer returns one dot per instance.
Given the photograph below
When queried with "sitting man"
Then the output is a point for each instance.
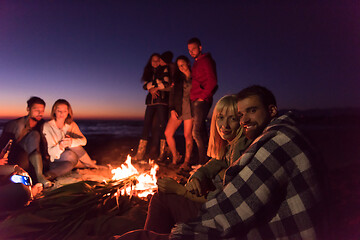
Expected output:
(270, 192)
(28, 141)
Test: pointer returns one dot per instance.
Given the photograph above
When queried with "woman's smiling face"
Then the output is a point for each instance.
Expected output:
(61, 112)
(227, 124)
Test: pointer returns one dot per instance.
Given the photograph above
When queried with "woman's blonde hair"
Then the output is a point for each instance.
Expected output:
(69, 118)
(217, 145)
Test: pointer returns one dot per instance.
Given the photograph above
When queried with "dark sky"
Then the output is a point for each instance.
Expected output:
(92, 53)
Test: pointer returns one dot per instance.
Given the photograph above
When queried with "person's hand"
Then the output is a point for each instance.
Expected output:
(174, 114)
(19, 171)
(36, 189)
(169, 185)
(65, 142)
(193, 186)
(154, 92)
(68, 140)
(3, 161)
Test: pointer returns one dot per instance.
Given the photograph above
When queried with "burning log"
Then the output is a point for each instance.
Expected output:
(142, 185)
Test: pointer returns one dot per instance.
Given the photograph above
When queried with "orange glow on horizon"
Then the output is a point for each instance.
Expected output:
(11, 112)
(83, 117)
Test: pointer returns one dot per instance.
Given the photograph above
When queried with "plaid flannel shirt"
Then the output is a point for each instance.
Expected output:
(270, 192)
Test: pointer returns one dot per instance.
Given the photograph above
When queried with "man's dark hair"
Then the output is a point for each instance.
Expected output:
(167, 56)
(266, 96)
(194, 40)
(35, 100)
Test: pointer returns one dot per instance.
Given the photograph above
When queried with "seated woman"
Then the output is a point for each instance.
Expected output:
(15, 195)
(180, 111)
(65, 141)
(226, 145)
(177, 203)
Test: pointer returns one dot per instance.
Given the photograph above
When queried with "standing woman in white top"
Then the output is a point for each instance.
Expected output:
(65, 141)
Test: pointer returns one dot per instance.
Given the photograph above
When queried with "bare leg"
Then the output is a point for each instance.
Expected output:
(84, 157)
(189, 141)
(170, 130)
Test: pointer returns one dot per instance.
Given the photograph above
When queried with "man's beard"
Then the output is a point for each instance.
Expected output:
(254, 133)
(36, 120)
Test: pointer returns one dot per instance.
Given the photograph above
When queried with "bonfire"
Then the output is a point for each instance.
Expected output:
(140, 184)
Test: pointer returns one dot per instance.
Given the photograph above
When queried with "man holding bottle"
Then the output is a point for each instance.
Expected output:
(28, 149)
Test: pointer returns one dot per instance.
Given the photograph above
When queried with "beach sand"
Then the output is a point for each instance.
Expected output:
(337, 146)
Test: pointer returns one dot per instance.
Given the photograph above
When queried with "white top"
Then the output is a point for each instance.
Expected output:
(54, 135)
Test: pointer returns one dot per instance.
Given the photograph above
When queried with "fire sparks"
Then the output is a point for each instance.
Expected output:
(143, 184)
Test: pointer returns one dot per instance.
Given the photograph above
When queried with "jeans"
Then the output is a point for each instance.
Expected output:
(200, 110)
(166, 209)
(67, 161)
(156, 117)
(20, 152)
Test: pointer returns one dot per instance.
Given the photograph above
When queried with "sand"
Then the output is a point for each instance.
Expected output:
(337, 146)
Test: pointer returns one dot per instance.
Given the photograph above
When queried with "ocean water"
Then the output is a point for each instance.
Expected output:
(118, 128)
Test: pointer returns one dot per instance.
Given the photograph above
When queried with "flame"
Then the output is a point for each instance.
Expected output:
(145, 182)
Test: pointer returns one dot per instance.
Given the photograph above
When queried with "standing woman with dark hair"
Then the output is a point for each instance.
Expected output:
(65, 141)
(155, 80)
(180, 111)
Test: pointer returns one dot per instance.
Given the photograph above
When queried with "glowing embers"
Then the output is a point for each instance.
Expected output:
(140, 184)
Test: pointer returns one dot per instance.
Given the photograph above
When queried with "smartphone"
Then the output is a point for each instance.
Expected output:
(26, 180)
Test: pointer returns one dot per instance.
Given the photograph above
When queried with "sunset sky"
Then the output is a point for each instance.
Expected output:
(92, 53)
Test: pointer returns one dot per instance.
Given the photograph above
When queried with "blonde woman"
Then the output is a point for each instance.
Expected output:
(181, 203)
(65, 141)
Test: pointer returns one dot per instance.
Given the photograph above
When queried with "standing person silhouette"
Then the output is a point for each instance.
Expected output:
(204, 85)
(155, 80)
(180, 111)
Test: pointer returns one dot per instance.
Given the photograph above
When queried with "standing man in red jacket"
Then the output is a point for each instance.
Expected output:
(204, 85)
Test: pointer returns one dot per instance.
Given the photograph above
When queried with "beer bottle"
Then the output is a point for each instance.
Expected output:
(6, 150)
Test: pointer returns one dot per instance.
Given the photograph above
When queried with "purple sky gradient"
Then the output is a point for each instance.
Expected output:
(92, 53)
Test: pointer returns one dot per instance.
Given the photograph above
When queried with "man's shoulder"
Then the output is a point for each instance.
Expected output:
(205, 61)
(15, 122)
(284, 131)
(205, 57)
(285, 120)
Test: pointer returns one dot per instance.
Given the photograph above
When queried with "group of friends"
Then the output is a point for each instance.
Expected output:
(261, 181)
(178, 93)
(40, 150)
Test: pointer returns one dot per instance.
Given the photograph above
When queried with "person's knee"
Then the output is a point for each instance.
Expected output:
(188, 136)
(156, 199)
(70, 156)
(34, 136)
(30, 142)
(168, 133)
(196, 133)
(189, 139)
